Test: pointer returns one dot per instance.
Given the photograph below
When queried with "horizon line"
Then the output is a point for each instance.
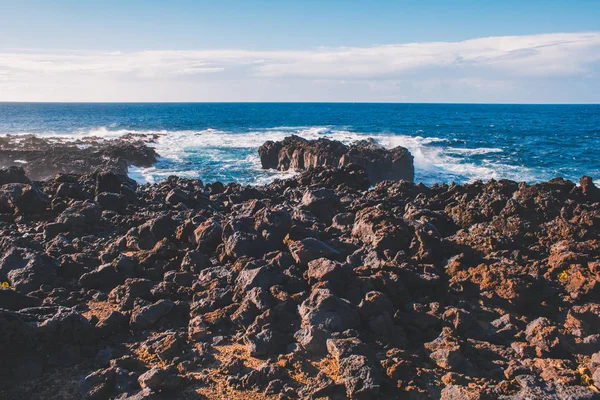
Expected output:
(298, 102)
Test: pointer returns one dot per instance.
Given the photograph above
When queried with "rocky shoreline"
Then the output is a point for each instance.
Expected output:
(298, 154)
(326, 285)
(43, 158)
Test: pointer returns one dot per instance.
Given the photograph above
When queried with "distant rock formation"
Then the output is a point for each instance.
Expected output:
(299, 154)
(42, 158)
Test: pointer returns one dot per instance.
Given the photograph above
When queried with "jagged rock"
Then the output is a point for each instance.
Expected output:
(208, 236)
(544, 336)
(132, 290)
(195, 262)
(310, 249)
(105, 277)
(145, 317)
(13, 300)
(66, 326)
(266, 342)
(197, 330)
(532, 387)
(323, 308)
(326, 270)
(299, 154)
(13, 175)
(112, 201)
(99, 384)
(22, 198)
(343, 221)
(114, 322)
(446, 351)
(457, 392)
(323, 203)
(26, 270)
(360, 374)
(113, 183)
(81, 215)
(382, 230)
(144, 394)
(458, 291)
(160, 380)
(166, 346)
(176, 196)
(262, 277)
(349, 177)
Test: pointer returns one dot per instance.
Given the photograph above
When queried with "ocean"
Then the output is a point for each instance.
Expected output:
(450, 142)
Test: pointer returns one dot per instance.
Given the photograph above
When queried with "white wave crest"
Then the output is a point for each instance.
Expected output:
(436, 159)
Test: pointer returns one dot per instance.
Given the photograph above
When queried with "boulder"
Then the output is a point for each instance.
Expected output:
(159, 379)
(325, 310)
(322, 203)
(382, 229)
(208, 235)
(26, 269)
(104, 277)
(112, 201)
(545, 337)
(99, 384)
(13, 300)
(263, 277)
(147, 316)
(309, 249)
(13, 175)
(113, 183)
(358, 369)
(81, 215)
(22, 198)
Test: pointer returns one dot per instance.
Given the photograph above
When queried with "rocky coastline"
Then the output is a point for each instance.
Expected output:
(298, 154)
(337, 283)
(43, 158)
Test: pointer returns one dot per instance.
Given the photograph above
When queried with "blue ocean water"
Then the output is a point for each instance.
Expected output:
(450, 142)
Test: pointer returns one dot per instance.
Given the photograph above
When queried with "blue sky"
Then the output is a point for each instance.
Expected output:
(300, 51)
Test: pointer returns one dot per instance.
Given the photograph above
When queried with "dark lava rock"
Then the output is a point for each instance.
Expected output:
(324, 309)
(22, 198)
(47, 157)
(300, 154)
(160, 380)
(112, 201)
(309, 249)
(146, 316)
(474, 291)
(13, 300)
(26, 270)
(13, 175)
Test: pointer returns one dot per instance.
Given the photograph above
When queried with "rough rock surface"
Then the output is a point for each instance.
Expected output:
(43, 158)
(312, 287)
(299, 154)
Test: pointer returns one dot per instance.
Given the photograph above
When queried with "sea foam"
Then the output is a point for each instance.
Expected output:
(216, 154)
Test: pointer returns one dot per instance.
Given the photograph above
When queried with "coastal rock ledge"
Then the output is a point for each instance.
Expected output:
(299, 154)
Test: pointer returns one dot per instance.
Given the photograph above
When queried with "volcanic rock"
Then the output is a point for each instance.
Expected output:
(299, 154)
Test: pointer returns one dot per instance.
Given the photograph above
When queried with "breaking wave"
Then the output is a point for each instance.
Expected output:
(214, 154)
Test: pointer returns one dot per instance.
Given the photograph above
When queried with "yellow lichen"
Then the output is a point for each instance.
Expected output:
(563, 276)
(5, 285)
(586, 379)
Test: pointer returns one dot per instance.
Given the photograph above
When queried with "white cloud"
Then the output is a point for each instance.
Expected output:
(494, 66)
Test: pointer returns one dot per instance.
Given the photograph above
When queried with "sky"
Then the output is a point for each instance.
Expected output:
(477, 51)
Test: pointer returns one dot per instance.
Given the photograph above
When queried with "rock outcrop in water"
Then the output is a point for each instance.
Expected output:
(43, 158)
(312, 287)
(298, 154)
